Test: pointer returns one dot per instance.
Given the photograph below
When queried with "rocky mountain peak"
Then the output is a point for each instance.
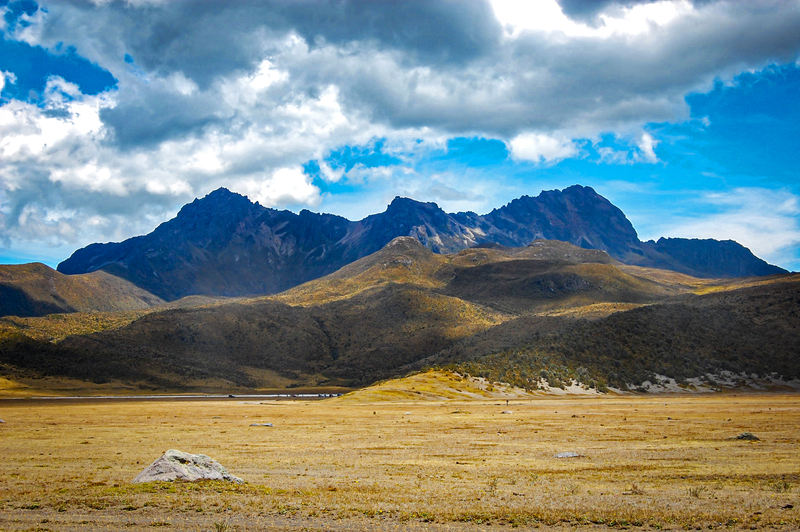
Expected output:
(223, 244)
(219, 202)
(401, 205)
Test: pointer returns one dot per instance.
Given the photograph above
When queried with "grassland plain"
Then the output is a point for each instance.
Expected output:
(656, 462)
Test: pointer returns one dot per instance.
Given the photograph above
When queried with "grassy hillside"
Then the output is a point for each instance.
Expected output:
(430, 385)
(548, 311)
(518, 286)
(403, 261)
(358, 341)
(36, 290)
(748, 330)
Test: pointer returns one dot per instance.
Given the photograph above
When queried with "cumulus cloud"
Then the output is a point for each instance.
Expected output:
(330, 174)
(538, 147)
(609, 18)
(286, 186)
(242, 94)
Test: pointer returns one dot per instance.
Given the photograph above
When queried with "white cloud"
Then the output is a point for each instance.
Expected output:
(361, 174)
(547, 16)
(181, 84)
(266, 75)
(286, 186)
(330, 174)
(542, 148)
(29, 28)
(6, 77)
(763, 220)
(647, 144)
(92, 178)
(636, 149)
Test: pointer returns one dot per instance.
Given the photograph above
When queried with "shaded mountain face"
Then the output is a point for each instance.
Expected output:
(714, 258)
(224, 245)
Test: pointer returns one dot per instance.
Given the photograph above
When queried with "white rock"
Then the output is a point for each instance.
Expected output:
(567, 454)
(177, 465)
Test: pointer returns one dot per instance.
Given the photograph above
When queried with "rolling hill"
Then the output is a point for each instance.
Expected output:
(35, 290)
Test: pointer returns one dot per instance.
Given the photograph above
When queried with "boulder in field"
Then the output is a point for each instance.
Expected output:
(177, 465)
(567, 454)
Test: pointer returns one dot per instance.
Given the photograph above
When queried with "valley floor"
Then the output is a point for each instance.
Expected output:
(663, 462)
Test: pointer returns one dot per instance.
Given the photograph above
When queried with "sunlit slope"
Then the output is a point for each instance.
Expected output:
(35, 290)
(56, 327)
(430, 385)
(404, 260)
(545, 275)
(517, 286)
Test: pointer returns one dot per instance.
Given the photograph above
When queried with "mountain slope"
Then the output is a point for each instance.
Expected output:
(508, 313)
(733, 332)
(225, 245)
(712, 258)
(35, 290)
(365, 322)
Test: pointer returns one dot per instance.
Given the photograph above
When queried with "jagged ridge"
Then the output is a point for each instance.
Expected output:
(225, 245)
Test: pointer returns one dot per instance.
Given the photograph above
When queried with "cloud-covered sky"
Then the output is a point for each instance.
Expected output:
(113, 113)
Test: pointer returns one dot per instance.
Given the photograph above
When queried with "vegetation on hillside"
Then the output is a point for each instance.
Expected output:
(514, 315)
(36, 290)
(751, 330)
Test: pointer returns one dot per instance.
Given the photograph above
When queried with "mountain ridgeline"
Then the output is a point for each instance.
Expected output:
(225, 245)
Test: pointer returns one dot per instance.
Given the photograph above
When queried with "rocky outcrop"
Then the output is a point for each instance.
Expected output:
(177, 465)
(224, 245)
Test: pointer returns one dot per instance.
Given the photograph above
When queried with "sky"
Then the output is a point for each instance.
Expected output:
(114, 114)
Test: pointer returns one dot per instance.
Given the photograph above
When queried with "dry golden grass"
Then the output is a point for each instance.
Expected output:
(430, 385)
(589, 311)
(56, 327)
(647, 461)
(18, 386)
(331, 288)
(725, 285)
(446, 385)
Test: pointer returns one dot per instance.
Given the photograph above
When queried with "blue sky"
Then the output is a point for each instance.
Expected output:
(112, 116)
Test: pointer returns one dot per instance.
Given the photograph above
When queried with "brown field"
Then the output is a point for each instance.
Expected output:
(656, 462)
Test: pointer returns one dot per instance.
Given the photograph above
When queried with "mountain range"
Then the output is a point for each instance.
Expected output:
(199, 304)
(549, 311)
(225, 245)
